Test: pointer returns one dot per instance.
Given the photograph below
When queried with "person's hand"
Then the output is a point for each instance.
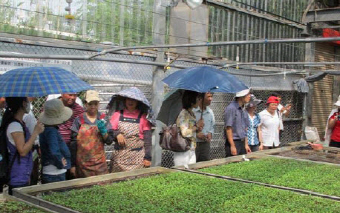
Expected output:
(200, 135)
(288, 107)
(208, 137)
(63, 160)
(248, 149)
(261, 147)
(146, 163)
(39, 128)
(200, 124)
(73, 171)
(101, 127)
(233, 150)
(121, 139)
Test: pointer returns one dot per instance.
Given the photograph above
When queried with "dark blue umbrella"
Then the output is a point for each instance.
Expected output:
(40, 81)
(204, 79)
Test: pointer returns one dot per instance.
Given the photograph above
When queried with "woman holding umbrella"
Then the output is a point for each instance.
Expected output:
(19, 141)
(132, 130)
(186, 121)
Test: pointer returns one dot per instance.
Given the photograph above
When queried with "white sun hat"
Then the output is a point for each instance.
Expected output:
(242, 93)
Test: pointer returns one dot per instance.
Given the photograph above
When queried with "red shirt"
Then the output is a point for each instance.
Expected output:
(336, 130)
(65, 128)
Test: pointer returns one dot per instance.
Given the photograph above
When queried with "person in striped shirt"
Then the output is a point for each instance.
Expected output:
(254, 132)
(69, 100)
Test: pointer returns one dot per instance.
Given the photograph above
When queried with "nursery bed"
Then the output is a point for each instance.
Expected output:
(187, 192)
(18, 207)
(320, 178)
(328, 155)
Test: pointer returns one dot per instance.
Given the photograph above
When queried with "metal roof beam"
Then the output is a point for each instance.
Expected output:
(322, 15)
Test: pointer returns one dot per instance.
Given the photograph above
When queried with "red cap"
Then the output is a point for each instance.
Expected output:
(272, 99)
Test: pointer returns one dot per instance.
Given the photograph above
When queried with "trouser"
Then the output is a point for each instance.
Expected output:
(202, 151)
(334, 143)
(184, 158)
(240, 148)
(254, 148)
(10, 188)
(35, 172)
(52, 178)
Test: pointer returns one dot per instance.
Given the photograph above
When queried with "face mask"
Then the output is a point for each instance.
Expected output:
(28, 108)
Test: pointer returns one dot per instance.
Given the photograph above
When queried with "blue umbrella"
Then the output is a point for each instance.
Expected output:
(204, 79)
(40, 81)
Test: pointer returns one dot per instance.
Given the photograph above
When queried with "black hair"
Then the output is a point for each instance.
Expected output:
(13, 106)
(276, 94)
(189, 99)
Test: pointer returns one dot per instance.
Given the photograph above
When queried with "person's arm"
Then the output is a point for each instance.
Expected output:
(19, 139)
(53, 146)
(148, 148)
(332, 120)
(229, 115)
(259, 131)
(212, 127)
(246, 145)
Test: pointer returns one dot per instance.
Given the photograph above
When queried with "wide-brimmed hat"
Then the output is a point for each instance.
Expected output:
(253, 102)
(272, 99)
(91, 95)
(338, 102)
(242, 93)
(55, 113)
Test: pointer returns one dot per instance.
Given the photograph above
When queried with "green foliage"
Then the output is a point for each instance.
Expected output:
(187, 192)
(284, 172)
(14, 206)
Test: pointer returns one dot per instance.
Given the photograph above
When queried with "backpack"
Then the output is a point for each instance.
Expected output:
(172, 139)
(5, 163)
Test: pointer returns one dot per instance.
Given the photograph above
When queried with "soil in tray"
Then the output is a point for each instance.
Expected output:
(188, 192)
(314, 155)
(311, 176)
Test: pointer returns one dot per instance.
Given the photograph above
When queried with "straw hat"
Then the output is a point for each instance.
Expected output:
(55, 113)
(91, 95)
(338, 102)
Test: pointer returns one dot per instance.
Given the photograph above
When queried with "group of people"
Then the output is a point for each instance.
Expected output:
(72, 138)
(245, 130)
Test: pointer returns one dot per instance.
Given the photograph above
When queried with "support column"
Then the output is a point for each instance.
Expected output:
(159, 23)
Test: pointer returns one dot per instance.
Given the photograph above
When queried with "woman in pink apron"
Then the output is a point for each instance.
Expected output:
(89, 133)
(132, 132)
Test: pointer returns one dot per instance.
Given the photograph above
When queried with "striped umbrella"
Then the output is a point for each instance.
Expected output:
(40, 81)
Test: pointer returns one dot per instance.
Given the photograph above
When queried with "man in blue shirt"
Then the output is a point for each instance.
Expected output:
(236, 123)
(204, 137)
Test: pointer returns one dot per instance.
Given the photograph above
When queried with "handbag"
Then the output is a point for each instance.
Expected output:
(172, 139)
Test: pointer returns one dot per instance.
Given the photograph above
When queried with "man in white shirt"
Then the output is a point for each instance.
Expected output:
(204, 137)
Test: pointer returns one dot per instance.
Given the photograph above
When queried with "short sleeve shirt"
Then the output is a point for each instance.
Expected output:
(270, 128)
(237, 118)
(13, 127)
(336, 129)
